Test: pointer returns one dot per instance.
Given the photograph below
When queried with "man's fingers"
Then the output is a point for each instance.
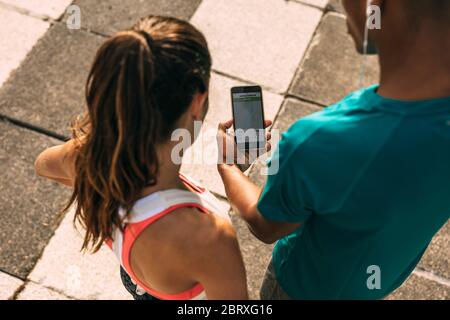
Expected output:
(224, 126)
(267, 123)
(268, 136)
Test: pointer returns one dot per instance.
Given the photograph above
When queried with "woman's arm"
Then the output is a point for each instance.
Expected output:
(219, 265)
(190, 247)
(204, 249)
(58, 163)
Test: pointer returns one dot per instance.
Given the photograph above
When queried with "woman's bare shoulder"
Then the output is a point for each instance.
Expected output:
(185, 237)
(187, 227)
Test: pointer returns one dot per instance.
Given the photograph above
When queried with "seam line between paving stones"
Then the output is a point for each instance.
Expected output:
(25, 12)
(19, 290)
(422, 273)
(232, 77)
(305, 55)
(12, 275)
(47, 18)
(61, 215)
(33, 128)
(300, 98)
(29, 281)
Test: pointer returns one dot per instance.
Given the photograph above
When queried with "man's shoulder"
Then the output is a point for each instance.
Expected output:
(328, 149)
(347, 117)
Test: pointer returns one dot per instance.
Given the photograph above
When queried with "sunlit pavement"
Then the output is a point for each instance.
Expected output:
(298, 51)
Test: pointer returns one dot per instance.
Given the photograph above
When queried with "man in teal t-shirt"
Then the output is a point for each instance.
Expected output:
(363, 185)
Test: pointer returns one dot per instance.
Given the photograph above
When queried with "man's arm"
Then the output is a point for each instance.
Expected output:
(243, 195)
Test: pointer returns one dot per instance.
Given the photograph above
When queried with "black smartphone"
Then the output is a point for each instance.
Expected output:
(248, 115)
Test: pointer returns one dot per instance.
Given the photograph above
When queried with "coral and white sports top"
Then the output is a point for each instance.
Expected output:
(149, 209)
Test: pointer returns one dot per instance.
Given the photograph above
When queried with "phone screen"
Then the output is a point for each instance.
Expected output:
(248, 117)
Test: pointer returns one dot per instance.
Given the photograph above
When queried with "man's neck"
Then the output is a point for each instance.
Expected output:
(416, 69)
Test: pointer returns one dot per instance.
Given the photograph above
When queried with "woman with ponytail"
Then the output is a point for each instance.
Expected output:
(169, 234)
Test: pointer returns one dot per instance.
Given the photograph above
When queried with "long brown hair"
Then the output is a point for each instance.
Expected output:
(141, 82)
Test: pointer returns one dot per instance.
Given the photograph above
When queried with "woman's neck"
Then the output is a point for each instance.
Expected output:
(168, 172)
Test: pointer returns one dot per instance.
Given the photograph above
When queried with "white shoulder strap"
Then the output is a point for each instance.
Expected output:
(158, 202)
(151, 206)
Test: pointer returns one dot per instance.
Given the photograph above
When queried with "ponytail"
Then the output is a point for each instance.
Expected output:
(137, 88)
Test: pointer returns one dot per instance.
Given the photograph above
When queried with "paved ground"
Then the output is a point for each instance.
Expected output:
(298, 51)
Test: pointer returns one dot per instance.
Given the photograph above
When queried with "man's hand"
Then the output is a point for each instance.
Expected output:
(229, 153)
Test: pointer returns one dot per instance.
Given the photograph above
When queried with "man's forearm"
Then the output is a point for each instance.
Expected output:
(243, 195)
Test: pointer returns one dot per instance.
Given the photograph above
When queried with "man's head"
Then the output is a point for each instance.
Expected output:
(398, 17)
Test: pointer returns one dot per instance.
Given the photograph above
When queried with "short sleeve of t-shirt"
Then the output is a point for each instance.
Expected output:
(285, 196)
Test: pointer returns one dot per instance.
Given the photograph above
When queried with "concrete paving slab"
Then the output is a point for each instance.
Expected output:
(256, 254)
(437, 257)
(206, 148)
(220, 100)
(291, 111)
(8, 286)
(33, 291)
(419, 288)
(18, 34)
(108, 17)
(50, 8)
(29, 205)
(331, 68)
(65, 269)
(244, 38)
(48, 88)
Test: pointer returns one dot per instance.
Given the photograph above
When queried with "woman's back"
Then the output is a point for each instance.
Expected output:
(169, 228)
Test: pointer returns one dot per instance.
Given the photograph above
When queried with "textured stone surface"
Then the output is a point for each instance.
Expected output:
(8, 286)
(48, 88)
(437, 257)
(419, 288)
(33, 291)
(30, 206)
(259, 41)
(50, 8)
(256, 254)
(64, 268)
(331, 68)
(18, 35)
(110, 16)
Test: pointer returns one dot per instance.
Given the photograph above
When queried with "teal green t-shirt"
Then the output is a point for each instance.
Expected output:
(369, 179)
